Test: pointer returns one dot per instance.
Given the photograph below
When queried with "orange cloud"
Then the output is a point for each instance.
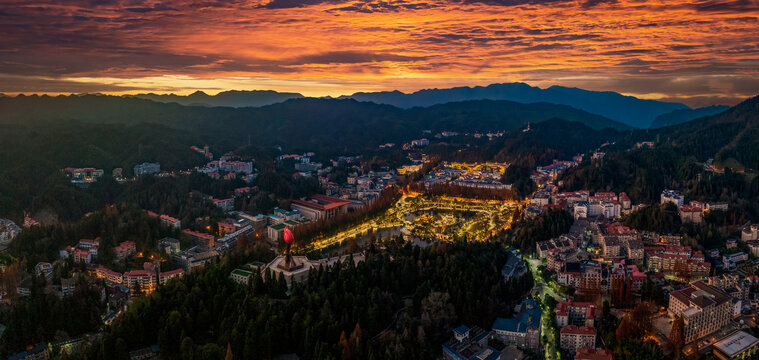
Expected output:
(706, 51)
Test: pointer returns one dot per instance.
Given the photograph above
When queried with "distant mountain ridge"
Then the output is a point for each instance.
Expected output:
(231, 98)
(685, 115)
(628, 110)
(639, 113)
(301, 123)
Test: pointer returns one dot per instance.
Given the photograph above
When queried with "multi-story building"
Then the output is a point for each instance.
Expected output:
(147, 168)
(225, 204)
(44, 269)
(84, 175)
(679, 261)
(469, 343)
(704, 309)
(200, 238)
(171, 221)
(165, 276)
(672, 196)
(68, 286)
(561, 244)
(574, 337)
(109, 275)
(575, 313)
(195, 257)
(753, 247)
(523, 329)
(739, 345)
(593, 354)
(320, 207)
(145, 279)
(691, 214)
(731, 261)
(750, 232)
(125, 249)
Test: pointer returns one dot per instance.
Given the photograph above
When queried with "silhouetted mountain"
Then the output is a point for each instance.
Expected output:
(731, 138)
(306, 123)
(685, 115)
(625, 109)
(233, 98)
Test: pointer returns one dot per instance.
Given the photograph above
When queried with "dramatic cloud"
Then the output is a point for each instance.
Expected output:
(693, 51)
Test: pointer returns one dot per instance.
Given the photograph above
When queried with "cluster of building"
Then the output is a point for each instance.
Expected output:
(581, 203)
(145, 280)
(205, 151)
(83, 176)
(166, 219)
(147, 168)
(229, 169)
(577, 334)
(361, 189)
(474, 175)
(84, 251)
(692, 212)
(547, 174)
(8, 231)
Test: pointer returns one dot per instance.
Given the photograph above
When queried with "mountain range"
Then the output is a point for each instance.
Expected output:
(639, 113)
(684, 115)
(233, 98)
(304, 123)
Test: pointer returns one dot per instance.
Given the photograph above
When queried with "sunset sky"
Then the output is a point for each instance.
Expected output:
(696, 52)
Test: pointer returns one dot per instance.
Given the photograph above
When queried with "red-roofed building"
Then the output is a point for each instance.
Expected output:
(82, 255)
(577, 337)
(200, 238)
(226, 227)
(243, 190)
(170, 221)
(168, 275)
(146, 280)
(625, 201)
(593, 354)
(691, 214)
(125, 249)
(110, 275)
(225, 204)
(321, 207)
(575, 313)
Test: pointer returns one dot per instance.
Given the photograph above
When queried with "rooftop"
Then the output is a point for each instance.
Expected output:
(736, 343)
(322, 202)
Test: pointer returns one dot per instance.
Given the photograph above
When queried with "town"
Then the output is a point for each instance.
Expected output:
(443, 246)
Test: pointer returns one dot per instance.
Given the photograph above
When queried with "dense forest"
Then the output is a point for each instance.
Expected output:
(549, 224)
(48, 317)
(397, 304)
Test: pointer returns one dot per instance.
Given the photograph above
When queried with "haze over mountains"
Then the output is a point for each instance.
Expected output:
(685, 115)
(628, 110)
(233, 98)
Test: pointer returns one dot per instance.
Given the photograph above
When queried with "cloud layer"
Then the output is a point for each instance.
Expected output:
(699, 52)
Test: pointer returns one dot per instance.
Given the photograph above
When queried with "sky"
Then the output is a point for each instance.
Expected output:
(697, 52)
